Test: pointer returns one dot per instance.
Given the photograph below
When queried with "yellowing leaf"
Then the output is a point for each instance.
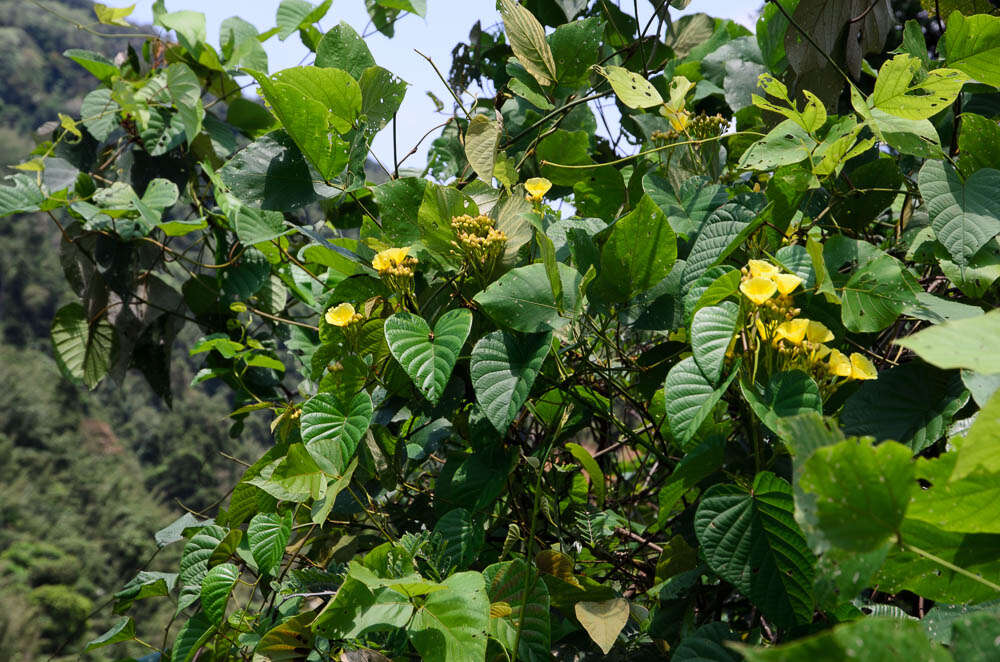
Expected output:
(481, 140)
(633, 90)
(895, 94)
(113, 15)
(558, 565)
(603, 621)
(527, 40)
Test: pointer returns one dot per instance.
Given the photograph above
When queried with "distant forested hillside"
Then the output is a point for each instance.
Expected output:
(93, 473)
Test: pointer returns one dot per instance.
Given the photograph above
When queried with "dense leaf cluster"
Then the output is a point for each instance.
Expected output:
(719, 383)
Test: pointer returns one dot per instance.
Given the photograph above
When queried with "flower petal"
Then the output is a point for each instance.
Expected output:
(762, 269)
(341, 315)
(786, 282)
(862, 367)
(839, 364)
(758, 290)
(817, 332)
(794, 330)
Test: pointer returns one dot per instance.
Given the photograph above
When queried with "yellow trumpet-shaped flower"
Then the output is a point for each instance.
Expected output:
(761, 329)
(390, 258)
(341, 315)
(839, 364)
(818, 333)
(794, 331)
(537, 187)
(862, 368)
(762, 269)
(758, 290)
(786, 282)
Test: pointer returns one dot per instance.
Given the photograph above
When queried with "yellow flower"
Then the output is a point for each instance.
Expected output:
(762, 269)
(678, 120)
(758, 290)
(537, 187)
(389, 258)
(862, 368)
(817, 332)
(819, 352)
(341, 315)
(839, 364)
(794, 331)
(786, 282)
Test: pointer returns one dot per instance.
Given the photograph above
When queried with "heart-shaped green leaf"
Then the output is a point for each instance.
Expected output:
(267, 535)
(964, 215)
(690, 396)
(428, 357)
(711, 331)
(332, 427)
(215, 590)
(503, 368)
(752, 541)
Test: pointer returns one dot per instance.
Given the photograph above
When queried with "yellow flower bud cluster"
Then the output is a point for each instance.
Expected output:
(342, 315)
(702, 126)
(394, 262)
(477, 239)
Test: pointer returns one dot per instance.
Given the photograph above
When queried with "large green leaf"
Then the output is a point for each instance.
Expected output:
(84, 348)
(356, 610)
(786, 144)
(382, 93)
(721, 233)
(593, 469)
(972, 45)
(99, 113)
(295, 14)
(519, 586)
(267, 535)
(976, 555)
(289, 641)
(503, 367)
(194, 561)
(451, 625)
(428, 357)
(522, 299)
(123, 630)
(315, 105)
(876, 294)
(978, 143)
(865, 640)
(191, 637)
(690, 205)
(856, 494)
(978, 451)
(912, 404)
(215, 590)
(461, 538)
(929, 95)
(787, 393)
(332, 426)
(690, 398)
(639, 251)
(971, 343)
(965, 504)
(964, 215)
(527, 40)
(21, 197)
(712, 329)
(185, 94)
(296, 477)
(341, 47)
(752, 541)
(270, 173)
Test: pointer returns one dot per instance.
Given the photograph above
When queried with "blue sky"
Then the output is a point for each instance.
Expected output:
(447, 23)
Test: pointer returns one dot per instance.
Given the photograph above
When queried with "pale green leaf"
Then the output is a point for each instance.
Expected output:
(603, 621)
(931, 94)
(971, 343)
(631, 88)
(481, 139)
(83, 347)
(972, 45)
(593, 470)
(527, 40)
(123, 630)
